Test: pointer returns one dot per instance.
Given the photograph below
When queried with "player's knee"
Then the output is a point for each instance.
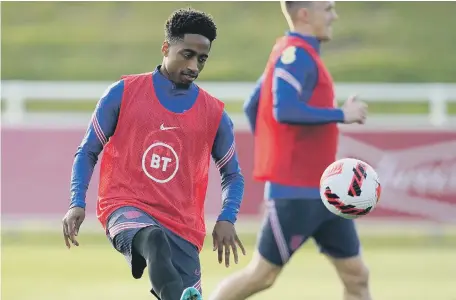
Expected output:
(262, 281)
(269, 280)
(262, 274)
(355, 277)
(358, 282)
(152, 243)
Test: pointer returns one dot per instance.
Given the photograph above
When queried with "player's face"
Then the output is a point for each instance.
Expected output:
(185, 59)
(321, 16)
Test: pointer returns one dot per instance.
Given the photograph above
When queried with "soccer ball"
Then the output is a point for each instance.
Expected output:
(350, 188)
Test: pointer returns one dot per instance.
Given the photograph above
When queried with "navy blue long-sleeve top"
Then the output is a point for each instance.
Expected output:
(293, 86)
(103, 125)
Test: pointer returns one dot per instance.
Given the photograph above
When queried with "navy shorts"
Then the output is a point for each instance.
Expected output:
(124, 223)
(290, 222)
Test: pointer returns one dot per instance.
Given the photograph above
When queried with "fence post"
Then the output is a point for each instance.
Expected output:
(438, 114)
(15, 104)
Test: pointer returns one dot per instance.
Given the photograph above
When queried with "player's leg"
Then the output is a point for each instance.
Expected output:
(259, 275)
(288, 224)
(185, 259)
(355, 277)
(143, 242)
(153, 245)
(338, 239)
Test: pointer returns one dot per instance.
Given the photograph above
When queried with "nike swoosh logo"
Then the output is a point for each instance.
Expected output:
(162, 127)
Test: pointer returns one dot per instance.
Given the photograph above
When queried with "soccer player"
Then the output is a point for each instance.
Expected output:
(158, 131)
(294, 117)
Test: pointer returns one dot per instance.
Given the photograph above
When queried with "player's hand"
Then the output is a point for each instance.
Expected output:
(71, 224)
(355, 111)
(225, 237)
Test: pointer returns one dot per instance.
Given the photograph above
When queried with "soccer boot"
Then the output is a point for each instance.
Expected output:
(191, 294)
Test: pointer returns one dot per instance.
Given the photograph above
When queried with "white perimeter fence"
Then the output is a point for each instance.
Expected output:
(438, 95)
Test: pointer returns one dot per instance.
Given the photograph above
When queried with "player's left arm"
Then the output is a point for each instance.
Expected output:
(226, 160)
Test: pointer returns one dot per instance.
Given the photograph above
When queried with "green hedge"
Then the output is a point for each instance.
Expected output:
(389, 42)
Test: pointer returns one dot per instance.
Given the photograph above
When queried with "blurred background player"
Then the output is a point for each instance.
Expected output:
(294, 117)
(158, 131)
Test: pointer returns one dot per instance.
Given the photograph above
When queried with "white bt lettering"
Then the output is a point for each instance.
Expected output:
(161, 167)
(155, 162)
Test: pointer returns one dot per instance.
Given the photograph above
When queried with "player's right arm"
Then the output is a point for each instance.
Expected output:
(100, 129)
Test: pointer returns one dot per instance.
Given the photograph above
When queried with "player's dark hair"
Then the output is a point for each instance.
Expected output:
(189, 21)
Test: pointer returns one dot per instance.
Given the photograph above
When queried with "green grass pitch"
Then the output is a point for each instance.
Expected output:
(38, 266)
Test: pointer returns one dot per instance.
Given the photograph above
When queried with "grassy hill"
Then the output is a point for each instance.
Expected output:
(374, 41)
